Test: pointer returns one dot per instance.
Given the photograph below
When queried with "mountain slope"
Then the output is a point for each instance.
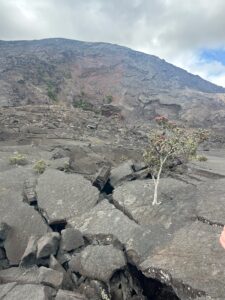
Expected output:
(90, 75)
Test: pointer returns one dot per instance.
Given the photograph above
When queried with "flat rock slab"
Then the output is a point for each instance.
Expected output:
(104, 220)
(177, 202)
(19, 275)
(42, 275)
(123, 172)
(67, 295)
(6, 288)
(26, 292)
(214, 166)
(98, 262)
(71, 239)
(62, 195)
(210, 198)
(22, 219)
(192, 263)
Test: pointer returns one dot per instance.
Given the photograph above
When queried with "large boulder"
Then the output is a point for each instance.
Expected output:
(48, 244)
(67, 283)
(12, 291)
(42, 275)
(50, 277)
(22, 220)
(98, 262)
(29, 257)
(176, 197)
(210, 199)
(67, 295)
(62, 195)
(71, 240)
(105, 222)
(122, 172)
(19, 275)
(192, 263)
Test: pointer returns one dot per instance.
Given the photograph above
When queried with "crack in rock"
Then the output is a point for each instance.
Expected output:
(208, 222)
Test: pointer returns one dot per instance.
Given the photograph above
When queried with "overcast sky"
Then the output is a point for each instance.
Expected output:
(187, 33)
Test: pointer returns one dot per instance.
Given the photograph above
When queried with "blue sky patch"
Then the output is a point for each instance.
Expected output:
(209, 55)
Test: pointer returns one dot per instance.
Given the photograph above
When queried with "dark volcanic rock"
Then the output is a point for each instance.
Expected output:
(29, 193)
(122, 172)
(29, 257)
(67, 283)
(67, 295)
(104, 221)
(136, 197)
(13, 291)
(50, 277)
(4, 229)
(210, 198)
(6, 288)
(36, 275)
(192, 263)
(48, 244)
(19, 275)
(19, 218)
(62, 195)
(22, 219)
(98, 262)
(71, 239)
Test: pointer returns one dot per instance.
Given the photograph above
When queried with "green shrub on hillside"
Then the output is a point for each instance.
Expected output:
(18, 159)
(40, 166)
(201, 158)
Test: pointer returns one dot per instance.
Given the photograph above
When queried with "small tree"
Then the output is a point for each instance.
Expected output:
(167, 143)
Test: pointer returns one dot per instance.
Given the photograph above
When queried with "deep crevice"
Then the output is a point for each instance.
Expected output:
(108, 188)
(130, 283)
(58, 226)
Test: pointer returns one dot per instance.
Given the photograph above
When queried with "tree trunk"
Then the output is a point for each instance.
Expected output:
(156, 185)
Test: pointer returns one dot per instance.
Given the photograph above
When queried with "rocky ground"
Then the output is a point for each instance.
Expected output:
(67, 233)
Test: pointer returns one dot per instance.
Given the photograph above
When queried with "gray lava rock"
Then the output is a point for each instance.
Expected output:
(48, 244)
(59, 153)
(29, 257)
(63, 195)
(67, 295)
(60, 164)
(13, 291)
(85, 161)
(105, 220)
(21, 218)
(50, 277)
(29, 193)
(4, 228)
(67, 283)
(98, 262)
(121, 173)
(192, 263)
(71, 239)
(19, 275)
(6, 288)
(2, 253)
(135, 199)
(210, 199)
(4, 264)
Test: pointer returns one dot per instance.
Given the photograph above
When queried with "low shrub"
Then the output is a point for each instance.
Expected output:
(40, 166)
(18, 159)
(201, 158)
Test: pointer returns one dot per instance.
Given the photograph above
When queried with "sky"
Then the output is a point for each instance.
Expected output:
(187, 33)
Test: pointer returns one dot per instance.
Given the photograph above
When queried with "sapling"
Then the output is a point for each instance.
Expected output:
(167, 143)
